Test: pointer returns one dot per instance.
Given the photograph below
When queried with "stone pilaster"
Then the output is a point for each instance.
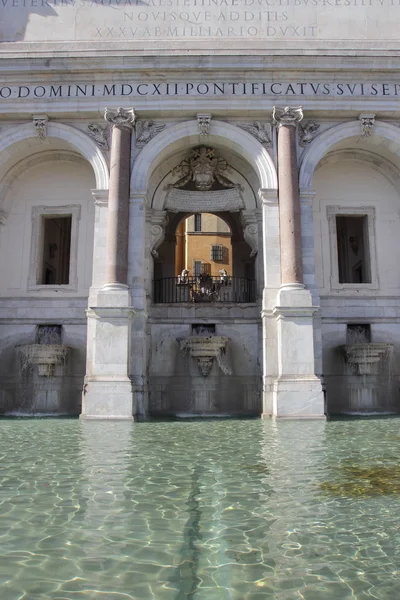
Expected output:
(297, 392)
(107, 392)
(271, 255)
(137, 277)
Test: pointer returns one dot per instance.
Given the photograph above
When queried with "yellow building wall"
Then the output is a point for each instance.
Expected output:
(197, 245)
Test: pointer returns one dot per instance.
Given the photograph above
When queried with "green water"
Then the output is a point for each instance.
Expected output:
(205, 510)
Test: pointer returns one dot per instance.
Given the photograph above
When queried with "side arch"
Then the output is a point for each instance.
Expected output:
(79, 141)
(388, 137)
(186, 135)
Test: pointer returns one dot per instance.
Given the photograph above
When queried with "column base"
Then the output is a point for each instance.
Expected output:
(298, 398)
(110, 399)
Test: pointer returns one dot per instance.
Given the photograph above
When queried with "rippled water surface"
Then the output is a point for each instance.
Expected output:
(206, 510)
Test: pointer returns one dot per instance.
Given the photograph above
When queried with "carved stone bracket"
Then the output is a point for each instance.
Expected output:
(158, 220)
(203, 121)
(120, 116)
(287, 115)
(307, 132)
(367, 124)
(262, 131)
(100, 135)
(250, 230)
(145, 131)
(40, 123)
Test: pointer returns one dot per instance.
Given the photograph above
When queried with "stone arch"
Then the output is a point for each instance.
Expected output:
(78, 140)
(30, 162)
(186, 135)
(384, 134)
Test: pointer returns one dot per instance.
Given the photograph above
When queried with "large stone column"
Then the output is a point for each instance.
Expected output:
(107, 392)
(297, 392)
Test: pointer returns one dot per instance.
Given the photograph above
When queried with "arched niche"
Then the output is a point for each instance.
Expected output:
(22, 141)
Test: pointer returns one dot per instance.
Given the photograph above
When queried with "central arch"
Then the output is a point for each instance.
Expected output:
(186, 135)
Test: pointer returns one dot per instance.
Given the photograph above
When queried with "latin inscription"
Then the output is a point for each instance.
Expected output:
(272, 89)
(36, 20)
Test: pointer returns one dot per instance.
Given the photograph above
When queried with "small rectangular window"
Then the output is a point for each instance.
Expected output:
(197, 222)
(55, 251)
(217, 253)
(353, 249)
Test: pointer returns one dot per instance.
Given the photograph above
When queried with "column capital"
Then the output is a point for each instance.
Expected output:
(287, 115)
(122, 117)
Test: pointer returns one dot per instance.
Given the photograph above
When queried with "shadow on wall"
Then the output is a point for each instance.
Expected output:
(15, 16)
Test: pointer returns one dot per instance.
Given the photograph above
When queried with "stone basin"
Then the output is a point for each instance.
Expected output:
(363, 357)
(45, 356)
(204, 349)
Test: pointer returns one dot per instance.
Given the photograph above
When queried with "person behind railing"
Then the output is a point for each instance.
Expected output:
(223, 276)
(183, 278)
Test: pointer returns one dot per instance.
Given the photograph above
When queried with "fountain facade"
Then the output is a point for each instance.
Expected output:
(369, 377)
(42, 389)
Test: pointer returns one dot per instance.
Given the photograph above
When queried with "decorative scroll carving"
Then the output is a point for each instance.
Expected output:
(202, 170)
(158, 220)
(367, 124)
(261, 131)
(145, 131)
(120, 116)
(40, 123)
(211, 201)
(287, 115)
(250, 230)
(307, 132)
(203, 121)
(100, 135)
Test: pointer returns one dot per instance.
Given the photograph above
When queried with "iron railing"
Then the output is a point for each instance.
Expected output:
(204, 288)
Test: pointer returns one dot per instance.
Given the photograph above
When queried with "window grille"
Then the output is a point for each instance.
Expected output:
(201, 268)
(217, 253)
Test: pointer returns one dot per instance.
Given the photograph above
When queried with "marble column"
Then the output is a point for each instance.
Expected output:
(122, 122)
(286, 120)
(297, 391)
(107, 392)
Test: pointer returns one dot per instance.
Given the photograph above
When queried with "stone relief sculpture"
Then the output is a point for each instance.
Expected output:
(203, 121)
(203, 170)
(99, 134)
(367, 124)
(145, 131)
(308, 132)
(40, 123)
(261, 131)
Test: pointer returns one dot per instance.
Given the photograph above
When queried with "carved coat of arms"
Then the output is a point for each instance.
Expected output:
(202, 170)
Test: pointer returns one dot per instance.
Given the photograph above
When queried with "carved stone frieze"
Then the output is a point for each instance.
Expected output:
(100, 135)
(40, 123)
(203, 171)
(203, 121)
(120, 116)
(262, 131)
(158, 221)
(367, 124)
(308, 132)
(250, 230)
(146, 130)
(287, 115)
